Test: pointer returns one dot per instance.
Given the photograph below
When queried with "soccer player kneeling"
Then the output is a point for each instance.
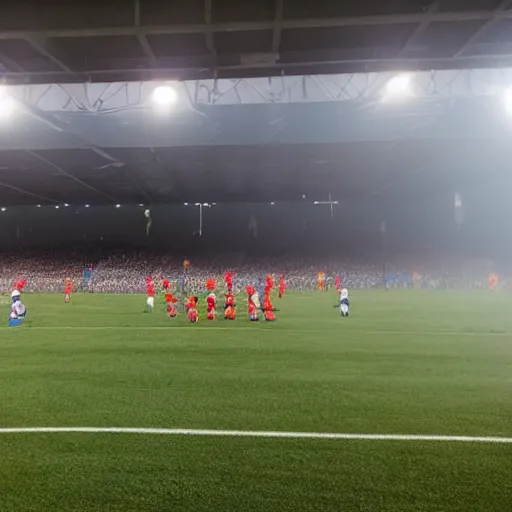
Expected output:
(18, 310)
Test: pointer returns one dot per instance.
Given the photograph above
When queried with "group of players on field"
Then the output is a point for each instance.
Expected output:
(256, 308)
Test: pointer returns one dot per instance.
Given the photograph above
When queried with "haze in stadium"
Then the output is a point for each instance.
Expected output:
(255, 256)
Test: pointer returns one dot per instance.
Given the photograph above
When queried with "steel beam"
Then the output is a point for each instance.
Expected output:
(353, 21)
(28, 193)
(11, 64)
(276, 36)
(422, 27)
(397, 62)
(43, 47)
(502, 8)
(70, 176)
(143, 40)
(208, 34)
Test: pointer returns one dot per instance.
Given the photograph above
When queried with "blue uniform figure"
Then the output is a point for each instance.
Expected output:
(18, 310)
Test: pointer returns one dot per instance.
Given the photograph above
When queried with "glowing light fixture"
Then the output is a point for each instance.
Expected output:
(7, 104)
(398, 87)
(164, 96)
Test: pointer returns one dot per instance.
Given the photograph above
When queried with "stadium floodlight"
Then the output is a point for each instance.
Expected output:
(57, 207)
(272, 203)
(87, 206)
(185, 204)
(7, 104)
(164, 96)
(316, 202)
(140, 204)
(118, 206)
(39, 206)
(66, 205)
(3, 209)
(398, 87)
(507, 100)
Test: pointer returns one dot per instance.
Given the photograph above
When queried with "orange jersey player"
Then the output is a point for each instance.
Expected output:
(493, 281)
(268, 312)
(68, 289)
(282, 286)
(191, 304)
(338, 284)
(229, 313)
(321, 281)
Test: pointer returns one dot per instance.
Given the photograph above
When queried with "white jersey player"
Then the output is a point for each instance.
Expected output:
(18, 309)
(344, 304)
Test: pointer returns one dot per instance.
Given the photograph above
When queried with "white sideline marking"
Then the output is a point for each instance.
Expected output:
(240, 328)
(253, 433)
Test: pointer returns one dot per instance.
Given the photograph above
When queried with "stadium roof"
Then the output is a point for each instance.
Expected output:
(268, 139)
(131, 40)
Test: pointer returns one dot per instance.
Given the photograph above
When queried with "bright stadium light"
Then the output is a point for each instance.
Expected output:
(3, 209)
(398, 88)
(118, 206)
(57, 207)
(164, 96)
(39, 206)
(66, 205)
(87, 206)
(7, 104)
(185, 204)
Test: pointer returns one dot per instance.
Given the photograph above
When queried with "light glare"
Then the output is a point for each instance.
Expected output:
(7, 105)
(164, 96)
(398, 88)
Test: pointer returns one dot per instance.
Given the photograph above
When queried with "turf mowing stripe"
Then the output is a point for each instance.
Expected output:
(256, 433)
(244, 328)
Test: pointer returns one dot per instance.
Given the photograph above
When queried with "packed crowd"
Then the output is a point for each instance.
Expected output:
(126, 272)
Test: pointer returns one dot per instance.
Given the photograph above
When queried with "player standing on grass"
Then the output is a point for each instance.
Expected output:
(344, 304)
(150, 290)
(68, 289)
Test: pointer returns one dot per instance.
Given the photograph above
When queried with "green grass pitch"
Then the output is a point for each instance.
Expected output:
(403, 363)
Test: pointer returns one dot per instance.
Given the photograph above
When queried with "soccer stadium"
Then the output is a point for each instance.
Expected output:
(255, 256)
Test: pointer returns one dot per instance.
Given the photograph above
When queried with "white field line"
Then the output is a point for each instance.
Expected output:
(254, 434)
(241, 328)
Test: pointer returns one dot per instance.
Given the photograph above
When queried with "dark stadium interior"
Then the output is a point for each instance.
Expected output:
(267, 147)
(117, 40)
